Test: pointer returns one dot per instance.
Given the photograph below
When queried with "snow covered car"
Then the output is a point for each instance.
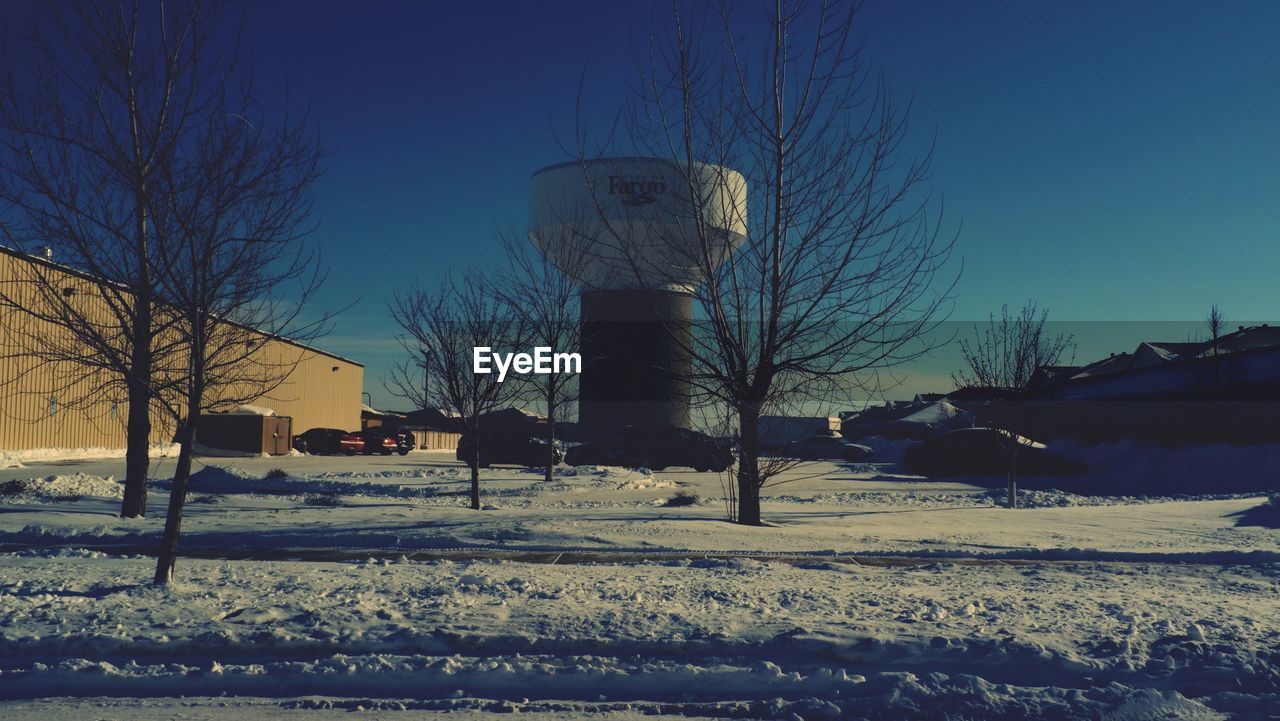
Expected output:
(827, 446)
(654, 447)
(983, 452)
(328, 441)
(387, 441)
(510, 450)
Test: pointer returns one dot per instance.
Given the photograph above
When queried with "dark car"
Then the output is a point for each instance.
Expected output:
(983, 452)
(655, 448)
(827, 446)
(375, 442)
(515, 450)
(328, 441)
(386, 441)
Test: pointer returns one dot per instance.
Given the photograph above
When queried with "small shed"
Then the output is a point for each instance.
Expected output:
(247, 429)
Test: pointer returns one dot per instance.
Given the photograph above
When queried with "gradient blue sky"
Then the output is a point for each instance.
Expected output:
(1111, 160)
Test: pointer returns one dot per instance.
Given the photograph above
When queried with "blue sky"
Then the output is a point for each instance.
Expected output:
(1112, 161)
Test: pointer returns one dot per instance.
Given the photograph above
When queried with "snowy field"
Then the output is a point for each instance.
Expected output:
(342, 584)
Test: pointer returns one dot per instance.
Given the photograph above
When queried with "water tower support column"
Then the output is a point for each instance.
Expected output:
(635, 359)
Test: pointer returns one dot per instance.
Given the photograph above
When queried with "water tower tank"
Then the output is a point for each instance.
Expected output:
(632, 233)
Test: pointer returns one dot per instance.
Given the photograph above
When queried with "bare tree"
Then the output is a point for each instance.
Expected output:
(232, 208)
(1001, 361)
(111, 89)
(1216, 322)
(1215, 372)
(441, 330)
(543, 298)
(790, 138)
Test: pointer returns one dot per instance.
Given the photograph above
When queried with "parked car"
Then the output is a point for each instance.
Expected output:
(328, 441)
(386, 441)
(507, 449)
(827, 446)
(983, 452)
(375, 442)
(656, 448)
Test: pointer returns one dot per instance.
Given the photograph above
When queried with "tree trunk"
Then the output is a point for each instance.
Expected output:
(748, 468)
(475, 473)
(177, 498)
(138, 431)
(138, 441)
(137, 453)
(1013, 478)
(551, 428)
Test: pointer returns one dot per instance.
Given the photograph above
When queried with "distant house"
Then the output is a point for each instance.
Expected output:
(432, 419)
(775, 432)
(924, 417)
(1242, 366)
(433, 429)
(372, 417)
(1215, 391)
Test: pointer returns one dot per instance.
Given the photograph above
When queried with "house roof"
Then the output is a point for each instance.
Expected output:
(1155, 353)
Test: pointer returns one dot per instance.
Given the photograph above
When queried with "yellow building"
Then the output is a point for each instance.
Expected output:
(45, 405)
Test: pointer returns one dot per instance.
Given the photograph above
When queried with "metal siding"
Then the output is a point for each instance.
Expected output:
(312, 393)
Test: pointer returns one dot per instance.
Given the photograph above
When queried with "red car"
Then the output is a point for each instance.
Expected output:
(377, 441)
(328, 441)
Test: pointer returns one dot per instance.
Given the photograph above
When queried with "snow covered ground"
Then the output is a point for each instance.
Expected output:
(18, 459)
(871, 595)
(418, 503)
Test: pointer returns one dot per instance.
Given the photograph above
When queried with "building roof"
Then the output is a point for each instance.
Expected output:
(1155, 353)
(1153, 356)
(36, 260)
(367, 411)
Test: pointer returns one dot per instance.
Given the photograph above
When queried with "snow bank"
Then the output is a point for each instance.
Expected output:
(246, 409)
(212, 452)
(646, 483)
(1138, 469)
(61, 488)
(229, 479)
(1134, 469)
(889, 450)
(38, 455)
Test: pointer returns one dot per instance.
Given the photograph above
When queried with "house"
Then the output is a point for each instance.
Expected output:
(1215, 391)
(1243, 365)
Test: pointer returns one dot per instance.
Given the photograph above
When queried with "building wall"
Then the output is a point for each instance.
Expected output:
(44, 405)
(436, 440)
(320, 392)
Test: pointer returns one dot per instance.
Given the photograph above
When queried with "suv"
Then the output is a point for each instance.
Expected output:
(655, 448)
(386, 441)
(513, 450)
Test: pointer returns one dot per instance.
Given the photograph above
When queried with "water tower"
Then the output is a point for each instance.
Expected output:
(632, 233)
